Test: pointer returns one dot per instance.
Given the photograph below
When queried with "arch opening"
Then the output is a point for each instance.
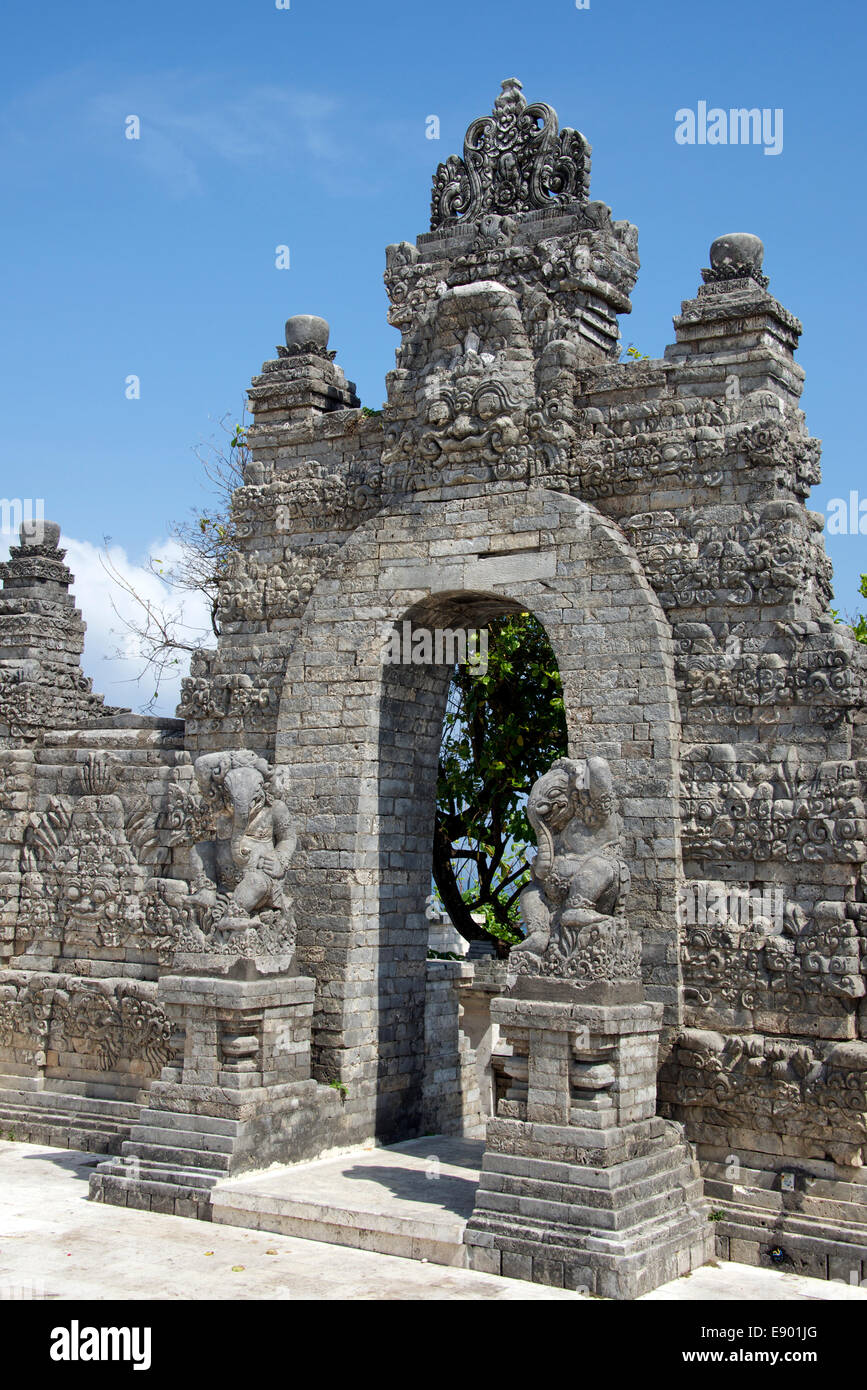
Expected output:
(413, 705)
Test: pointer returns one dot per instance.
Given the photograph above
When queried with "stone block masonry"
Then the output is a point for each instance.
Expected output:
(582, 1185)
(653, 515)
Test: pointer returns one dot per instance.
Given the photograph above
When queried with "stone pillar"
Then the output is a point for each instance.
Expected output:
(239, 1094)
(477, 992)
(583, 1186)
(241, 1098)
(451, 1102)
(42, 685)
(240, 1035)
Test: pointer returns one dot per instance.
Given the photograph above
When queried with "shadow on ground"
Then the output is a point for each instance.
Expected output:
(442, 1190)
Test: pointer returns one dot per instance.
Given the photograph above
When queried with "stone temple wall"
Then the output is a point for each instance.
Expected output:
(89, 799)
(653, 514)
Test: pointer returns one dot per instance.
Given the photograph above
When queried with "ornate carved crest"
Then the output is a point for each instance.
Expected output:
(515, 160)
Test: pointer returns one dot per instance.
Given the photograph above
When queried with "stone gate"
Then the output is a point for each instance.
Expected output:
(212, 929)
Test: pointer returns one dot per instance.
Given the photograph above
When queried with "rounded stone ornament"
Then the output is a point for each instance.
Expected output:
(303, 329)
(737, 251)
(38, 532)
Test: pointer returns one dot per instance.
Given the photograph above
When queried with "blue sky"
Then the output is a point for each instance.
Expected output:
(306, 127)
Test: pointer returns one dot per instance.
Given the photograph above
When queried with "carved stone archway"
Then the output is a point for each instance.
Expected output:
(361, 740)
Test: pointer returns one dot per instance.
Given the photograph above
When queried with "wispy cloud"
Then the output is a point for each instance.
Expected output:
(113, 655)
(191, 125)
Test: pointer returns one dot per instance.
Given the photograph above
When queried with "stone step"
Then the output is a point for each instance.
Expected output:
(524, 1198)
(668, 1228)
(63, 1101)
(27, 1115)
(179, 1119)
(847, 1204)
(176, 1155)
(664, 1161)
(66, 1136)
(410, 1199)
(202, 1179)
(66, 1122)
(816, 1247)
(195, 1140)
(615, 1266)
(154, 1187)
(439, 1243)
(775, 1224)
(565, 1183)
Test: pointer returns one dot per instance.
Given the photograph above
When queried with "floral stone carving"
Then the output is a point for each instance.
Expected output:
(737, 806)
(107, 1020)
(805, 974)
(83, 880)
(816, 1091)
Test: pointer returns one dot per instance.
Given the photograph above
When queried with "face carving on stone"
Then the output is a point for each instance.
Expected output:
(488, 404)
(98, 884)
(474, 427)
(553, 801)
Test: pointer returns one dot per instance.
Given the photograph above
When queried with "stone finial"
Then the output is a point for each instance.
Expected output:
(515, 160)
(736, 256)
(37, 532)
(307, 333)
(302, 377)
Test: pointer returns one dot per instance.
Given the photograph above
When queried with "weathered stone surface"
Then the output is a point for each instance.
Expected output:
(581, 1182)
(652, 514)
(573, 910)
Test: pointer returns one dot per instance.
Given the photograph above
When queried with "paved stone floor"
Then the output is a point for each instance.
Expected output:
(56, 1244)
(411, 1199)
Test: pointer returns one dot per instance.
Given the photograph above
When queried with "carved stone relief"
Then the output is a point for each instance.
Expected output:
(573, 910)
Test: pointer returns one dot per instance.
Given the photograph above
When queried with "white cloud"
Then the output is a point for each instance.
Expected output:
(113, 655)
(185, 120)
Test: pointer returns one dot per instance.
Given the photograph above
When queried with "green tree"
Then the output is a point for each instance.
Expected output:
(502, 730)
(859, 622)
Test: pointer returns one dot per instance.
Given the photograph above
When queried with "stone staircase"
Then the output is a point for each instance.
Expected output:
(818, 1228)
(169, 1163)
(66, 1121)
(636, 1223)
